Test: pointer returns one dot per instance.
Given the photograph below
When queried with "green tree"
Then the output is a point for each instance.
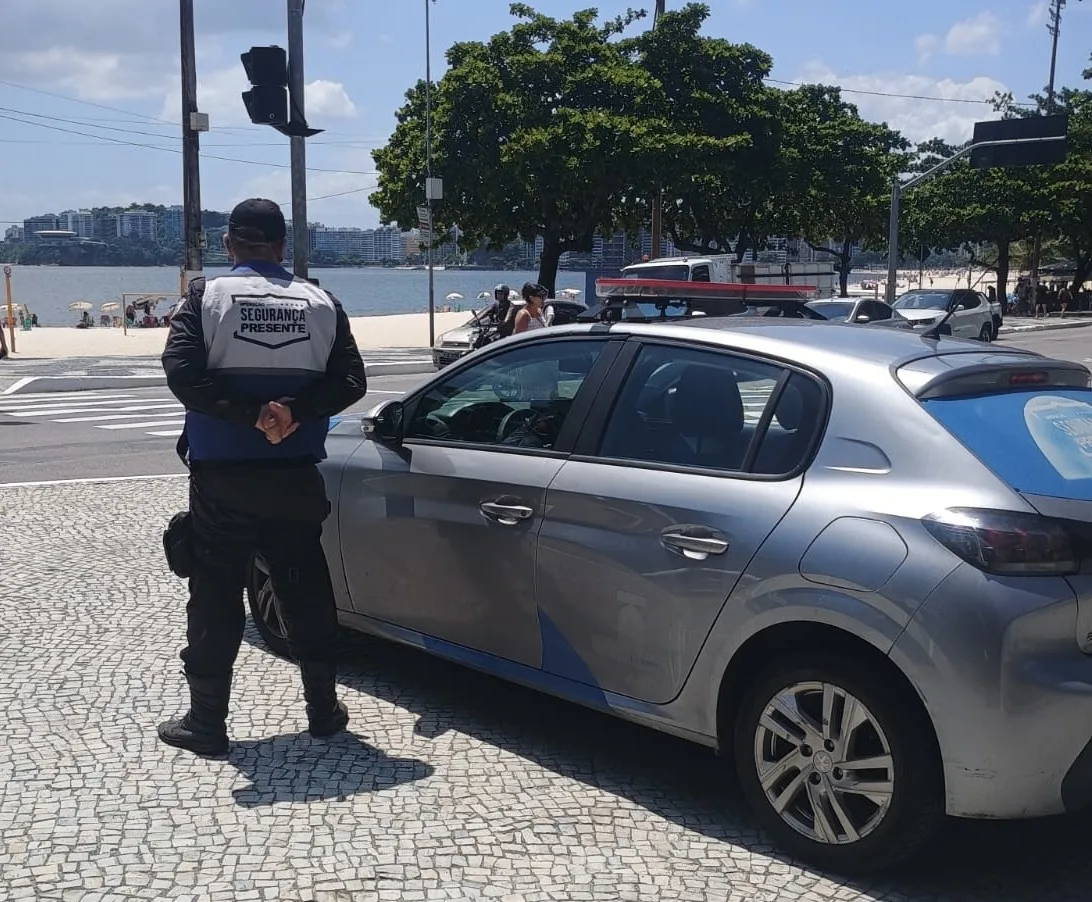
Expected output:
(966, 208)
(839, 169)
(542, 131)
(719, 186)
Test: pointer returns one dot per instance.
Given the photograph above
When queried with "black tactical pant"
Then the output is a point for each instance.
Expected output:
(239, 511)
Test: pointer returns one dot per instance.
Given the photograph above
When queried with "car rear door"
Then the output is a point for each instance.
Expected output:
(681, 473)
(968, 322)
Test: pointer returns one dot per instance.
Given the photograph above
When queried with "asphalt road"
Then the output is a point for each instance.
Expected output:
(83, 435)
(128, 432)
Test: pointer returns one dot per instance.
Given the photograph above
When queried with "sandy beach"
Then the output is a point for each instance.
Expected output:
(399, 331)
(393, 331)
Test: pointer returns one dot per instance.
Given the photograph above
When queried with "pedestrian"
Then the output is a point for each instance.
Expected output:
(531, 316)
(1065, 299)
(260, 360)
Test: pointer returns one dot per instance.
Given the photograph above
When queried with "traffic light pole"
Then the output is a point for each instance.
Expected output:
(898, 189)
(300, 243)
(191, 144)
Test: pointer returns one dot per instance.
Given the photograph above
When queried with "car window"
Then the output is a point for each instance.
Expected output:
(924, 300)
(792, 431)
(878, 311)
(700, 273)
(968, 299)
(689, 407)
(518, 398)
(1038, 441)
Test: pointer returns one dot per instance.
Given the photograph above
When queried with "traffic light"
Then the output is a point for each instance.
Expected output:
(267, 71)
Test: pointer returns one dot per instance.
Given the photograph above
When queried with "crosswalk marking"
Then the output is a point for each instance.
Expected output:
(175, 422)
(112, 416)
(113, 410)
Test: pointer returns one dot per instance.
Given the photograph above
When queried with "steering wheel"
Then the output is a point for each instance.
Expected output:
(512, 421)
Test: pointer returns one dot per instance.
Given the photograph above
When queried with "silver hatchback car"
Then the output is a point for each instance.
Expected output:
(858, 562)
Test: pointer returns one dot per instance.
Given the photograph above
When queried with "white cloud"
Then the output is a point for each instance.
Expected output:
(979, 35)
(219, 93)
(1037, 13)
(926, 45)
(917, 119)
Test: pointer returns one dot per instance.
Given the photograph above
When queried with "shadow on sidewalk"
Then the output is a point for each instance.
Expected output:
(293, 767)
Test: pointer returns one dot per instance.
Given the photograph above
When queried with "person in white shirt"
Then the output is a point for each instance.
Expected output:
(531, 316)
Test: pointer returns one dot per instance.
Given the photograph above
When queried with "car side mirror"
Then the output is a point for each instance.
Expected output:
(864, 319)
(959, 307)
(385, 423)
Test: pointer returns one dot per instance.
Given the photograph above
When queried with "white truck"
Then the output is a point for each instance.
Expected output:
(724, 268)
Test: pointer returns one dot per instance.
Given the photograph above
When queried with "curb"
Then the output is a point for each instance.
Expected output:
(1045, 327)
(45, 384)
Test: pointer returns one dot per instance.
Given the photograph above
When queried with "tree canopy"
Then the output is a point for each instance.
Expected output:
(562, 130)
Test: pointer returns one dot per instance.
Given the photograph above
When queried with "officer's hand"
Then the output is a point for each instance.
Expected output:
(267, 423)
(285, 421)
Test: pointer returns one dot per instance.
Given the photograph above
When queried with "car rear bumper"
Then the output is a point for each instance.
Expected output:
(1009, 692)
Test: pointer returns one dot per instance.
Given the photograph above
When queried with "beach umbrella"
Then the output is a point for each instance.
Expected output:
(80, 305)
(454, 296)
(482, 295)
(110, 307)
(570, 292)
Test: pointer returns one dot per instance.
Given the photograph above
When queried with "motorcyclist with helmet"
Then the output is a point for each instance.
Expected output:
(498, 320)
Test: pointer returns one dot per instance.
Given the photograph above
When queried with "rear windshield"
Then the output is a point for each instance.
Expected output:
(672, 273)
(1039, 442)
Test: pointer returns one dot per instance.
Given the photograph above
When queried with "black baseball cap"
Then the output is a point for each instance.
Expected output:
(258, 221)
(533, 289)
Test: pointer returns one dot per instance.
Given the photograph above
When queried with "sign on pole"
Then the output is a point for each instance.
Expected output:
(424, 223)
(1036, 141)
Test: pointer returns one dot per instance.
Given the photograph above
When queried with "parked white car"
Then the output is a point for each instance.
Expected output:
(971, 314)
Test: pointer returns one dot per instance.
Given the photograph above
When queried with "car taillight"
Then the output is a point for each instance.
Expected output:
(1006, 542)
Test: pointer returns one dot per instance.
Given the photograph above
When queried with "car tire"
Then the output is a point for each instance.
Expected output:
(985, 335)
(893, 731)
(263, 608)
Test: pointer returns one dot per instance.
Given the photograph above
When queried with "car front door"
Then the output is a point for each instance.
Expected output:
(678, 478)
(440, 532)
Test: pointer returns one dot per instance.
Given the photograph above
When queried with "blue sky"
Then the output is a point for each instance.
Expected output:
(108, 71)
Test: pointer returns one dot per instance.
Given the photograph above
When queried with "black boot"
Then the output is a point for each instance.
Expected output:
(202, 730)
(325, 714)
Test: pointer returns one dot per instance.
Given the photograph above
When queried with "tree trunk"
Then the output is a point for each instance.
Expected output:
(1004, 261)
(547, 264)
(845, 266)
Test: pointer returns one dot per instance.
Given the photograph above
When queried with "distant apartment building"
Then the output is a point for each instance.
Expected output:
(340, 243)
(368, 245)
(136, 224)
(82, 222)
(172, 223)
(47, 222)
(14, 233)
(389, 245)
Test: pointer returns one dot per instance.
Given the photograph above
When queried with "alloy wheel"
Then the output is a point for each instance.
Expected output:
(824, 763)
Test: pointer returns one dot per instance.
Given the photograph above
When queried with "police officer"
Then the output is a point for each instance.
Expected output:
(260, 360)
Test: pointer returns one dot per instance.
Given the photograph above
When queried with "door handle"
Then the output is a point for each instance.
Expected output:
(694, 545)
(506, 514)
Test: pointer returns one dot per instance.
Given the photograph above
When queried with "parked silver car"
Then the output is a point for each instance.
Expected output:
(855, 561)
(859, 310)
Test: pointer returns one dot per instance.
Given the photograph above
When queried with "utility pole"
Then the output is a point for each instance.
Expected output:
(192, 126)
(298, 142)
(1054, 27)
(658, 208)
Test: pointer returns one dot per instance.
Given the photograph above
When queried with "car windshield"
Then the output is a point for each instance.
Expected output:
(923, 300)
(1039, 442)
(672, 273)
(832, 310)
